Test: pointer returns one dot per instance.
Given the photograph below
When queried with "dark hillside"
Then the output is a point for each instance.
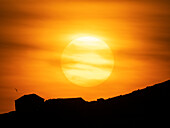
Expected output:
(146, 107)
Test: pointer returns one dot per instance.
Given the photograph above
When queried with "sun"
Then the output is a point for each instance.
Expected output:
(87, 61)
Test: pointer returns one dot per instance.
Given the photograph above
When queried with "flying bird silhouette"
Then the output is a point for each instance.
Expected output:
(16, 89)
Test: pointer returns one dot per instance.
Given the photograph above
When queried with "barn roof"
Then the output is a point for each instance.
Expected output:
(30, 97)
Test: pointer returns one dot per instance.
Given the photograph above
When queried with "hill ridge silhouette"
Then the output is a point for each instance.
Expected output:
(149, 106)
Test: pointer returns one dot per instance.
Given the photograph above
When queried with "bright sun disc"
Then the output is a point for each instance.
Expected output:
(87, 61)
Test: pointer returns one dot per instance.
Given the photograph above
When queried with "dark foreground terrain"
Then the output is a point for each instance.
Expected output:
(148, 107)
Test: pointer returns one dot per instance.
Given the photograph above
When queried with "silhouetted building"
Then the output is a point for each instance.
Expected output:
(65, 107)
(100, 100)
(71, 100)
(29, 104)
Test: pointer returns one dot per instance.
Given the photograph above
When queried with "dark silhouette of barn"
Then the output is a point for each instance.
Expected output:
(29, 104)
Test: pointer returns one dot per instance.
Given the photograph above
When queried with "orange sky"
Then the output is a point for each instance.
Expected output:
(34, 33)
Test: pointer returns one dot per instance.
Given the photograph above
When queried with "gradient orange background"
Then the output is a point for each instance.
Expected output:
(34, 33)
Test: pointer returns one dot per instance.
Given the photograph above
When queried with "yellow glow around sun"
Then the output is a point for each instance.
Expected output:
(87, 61)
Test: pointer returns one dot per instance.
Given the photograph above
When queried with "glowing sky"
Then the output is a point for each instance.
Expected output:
(34, 34)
